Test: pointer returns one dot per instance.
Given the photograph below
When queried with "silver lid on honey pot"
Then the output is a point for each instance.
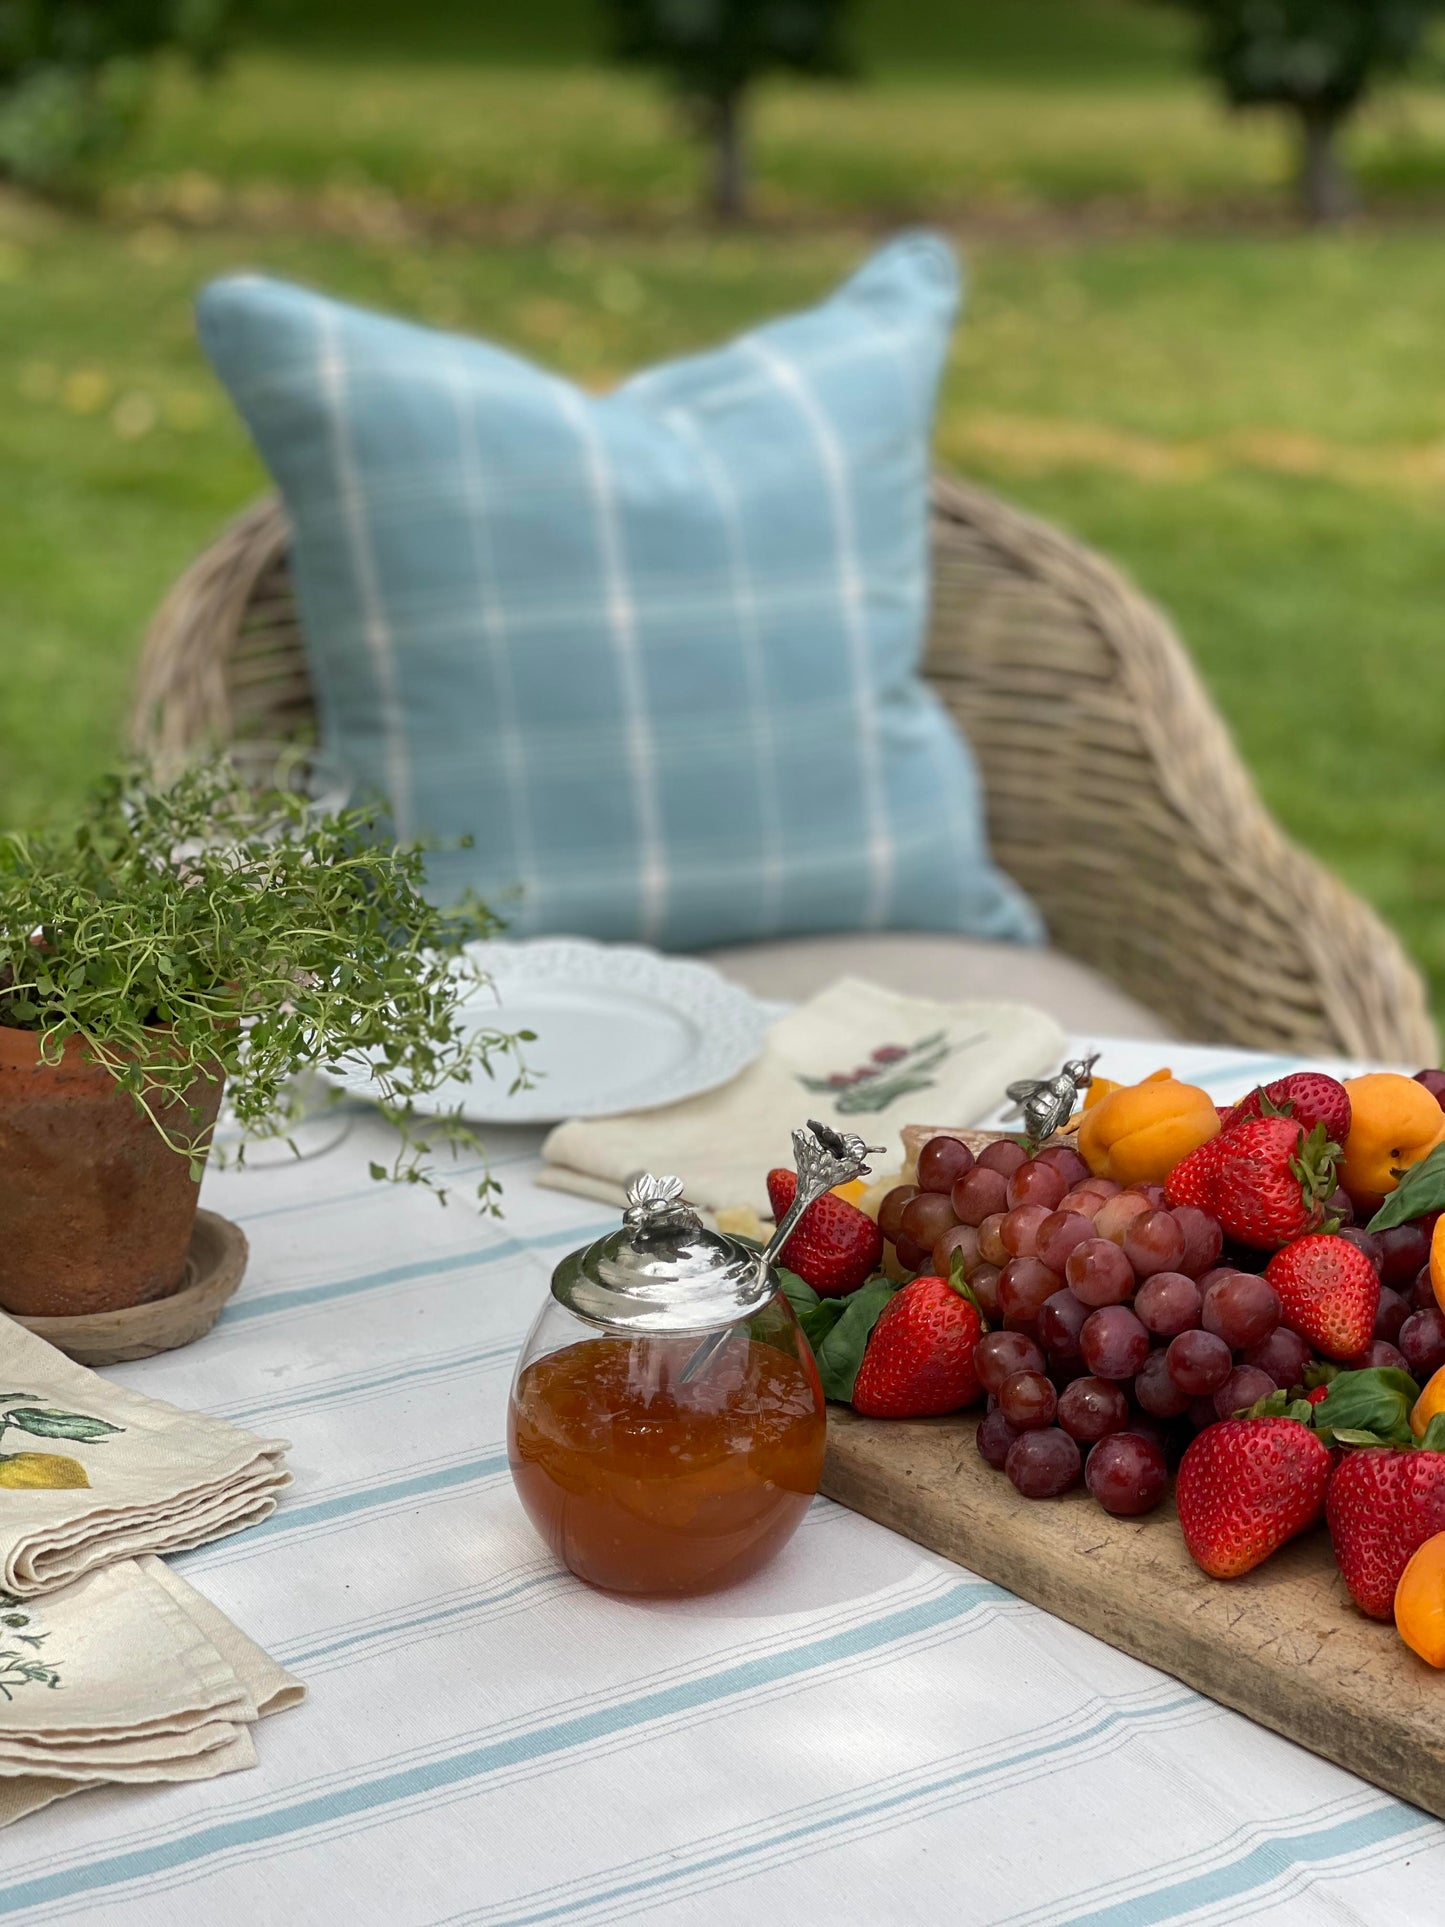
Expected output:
(663, 1270)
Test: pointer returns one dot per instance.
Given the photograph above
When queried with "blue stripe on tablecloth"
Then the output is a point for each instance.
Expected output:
(463, 1608)
(378, 1792)
(361, 1385)
(1041, 1752)
(449, 1175)
(1259, 1867)
(264, 1304)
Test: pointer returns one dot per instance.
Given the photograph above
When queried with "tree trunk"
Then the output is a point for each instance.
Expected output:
(729, 171)
(1327, 194)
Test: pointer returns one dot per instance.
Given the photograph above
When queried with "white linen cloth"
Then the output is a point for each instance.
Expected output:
(856, 1056)
(147, 1477)
(862, 1736)
(126, 1676)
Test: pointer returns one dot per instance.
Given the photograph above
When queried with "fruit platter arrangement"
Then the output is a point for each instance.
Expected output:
(1223, 1326)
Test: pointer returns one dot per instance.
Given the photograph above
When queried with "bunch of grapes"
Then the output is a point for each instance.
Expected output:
(1118, 1331)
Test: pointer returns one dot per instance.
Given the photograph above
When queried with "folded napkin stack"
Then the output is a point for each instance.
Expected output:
(856, 1056)
(112, 1669)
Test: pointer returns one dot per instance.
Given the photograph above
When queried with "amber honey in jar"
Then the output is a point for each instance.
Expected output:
(666, 1423)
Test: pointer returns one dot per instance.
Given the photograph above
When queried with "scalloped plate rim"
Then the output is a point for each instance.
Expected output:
(732, 1022)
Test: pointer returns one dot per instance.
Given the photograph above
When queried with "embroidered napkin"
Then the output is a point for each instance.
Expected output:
(126, 1676)
(108, 1474)
(856, 1056)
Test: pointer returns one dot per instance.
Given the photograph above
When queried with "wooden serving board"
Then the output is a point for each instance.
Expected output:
(1284, 1644)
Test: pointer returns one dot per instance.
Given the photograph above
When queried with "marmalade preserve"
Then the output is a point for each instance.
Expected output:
(666, 1423)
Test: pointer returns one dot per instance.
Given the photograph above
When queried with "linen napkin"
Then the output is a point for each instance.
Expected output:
(856, 1056)
(126, 1676)
(108, 1474)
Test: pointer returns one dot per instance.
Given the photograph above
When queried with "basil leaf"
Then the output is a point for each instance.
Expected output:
(841, 1352)
(1378, 1400)
(819, 1319)
(1421, 1189)
(798, 1292)
(1434, 1439)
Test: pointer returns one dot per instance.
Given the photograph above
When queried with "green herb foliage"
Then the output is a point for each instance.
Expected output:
(188, 930)
(1421, 1189)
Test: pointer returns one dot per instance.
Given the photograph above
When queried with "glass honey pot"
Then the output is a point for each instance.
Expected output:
(666, 1422)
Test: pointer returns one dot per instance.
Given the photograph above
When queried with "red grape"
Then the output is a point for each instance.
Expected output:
(1167, 1304)
(994, 1437)
(1099, 1273)
(1022, 1288)
(1201, 1413)
(1043, 1464)
(941, 1163)
(912, 1257)
(1340, 1206)
(991, 1246)
(1088, 1204)
(890, 1211)
(1422, 1293)
(1066, 1159)
(1028, 1400)
(1155, 1193)
(962, 1241)
(1035, 1183)
(1199, 1363)
(1117, 1214)
(1391, 1316)
(1403, 1249)
(1367, 1242)
(1422, 1340)
(1020, 1230)
(1155, 1388)
(998, 1355)
(1004, 1155)
(1284, 1355)
(1061, 1319)
(1378, 1353)
(1245, 1386)
(1127, 1474)
(1203, 1239)
(1059, 1234)
(1091, 1408)
(983, 1283)
(1113, 1342)
(1242, 1309)
(926, 1218)
(1153, 1243)
(1434, 1082)
(979, 1193)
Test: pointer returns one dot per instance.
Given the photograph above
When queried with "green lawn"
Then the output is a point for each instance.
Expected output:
(1252, 420)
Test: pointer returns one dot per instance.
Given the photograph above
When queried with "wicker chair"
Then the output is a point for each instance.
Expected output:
(1115, 795)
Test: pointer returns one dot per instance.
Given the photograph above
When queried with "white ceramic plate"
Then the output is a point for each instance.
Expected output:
(618, 1028)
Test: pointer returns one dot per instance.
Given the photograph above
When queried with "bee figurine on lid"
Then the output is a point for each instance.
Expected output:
(666, 1422)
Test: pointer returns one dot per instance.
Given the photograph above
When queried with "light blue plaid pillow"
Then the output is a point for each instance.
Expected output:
(656, 653)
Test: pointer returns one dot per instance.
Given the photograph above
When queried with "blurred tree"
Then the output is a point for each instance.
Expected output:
(1318, 59)
(74, 75)
(712, 51)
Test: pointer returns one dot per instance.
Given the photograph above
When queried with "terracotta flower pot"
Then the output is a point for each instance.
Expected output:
(96, 1211)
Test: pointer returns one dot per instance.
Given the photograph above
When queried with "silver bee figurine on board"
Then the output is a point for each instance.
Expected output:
(1047, 1102)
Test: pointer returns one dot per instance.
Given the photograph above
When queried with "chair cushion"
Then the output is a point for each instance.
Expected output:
(924, 964)
(656, 653)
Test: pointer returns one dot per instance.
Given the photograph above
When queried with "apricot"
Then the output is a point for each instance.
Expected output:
(1420, 1602)
(1394, 1122)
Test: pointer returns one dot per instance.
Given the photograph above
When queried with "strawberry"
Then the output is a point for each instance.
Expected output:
(1262, 1180)
(919, 1360)
(1247, 1485)
(1384, 1503)
(1309, 1097)
(835, 1248)
(1318, 1395)
(1329, 1293)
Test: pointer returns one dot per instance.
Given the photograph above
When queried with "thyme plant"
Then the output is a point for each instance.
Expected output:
(188, 929)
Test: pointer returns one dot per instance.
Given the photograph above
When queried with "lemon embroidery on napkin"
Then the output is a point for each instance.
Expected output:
(46, 1470)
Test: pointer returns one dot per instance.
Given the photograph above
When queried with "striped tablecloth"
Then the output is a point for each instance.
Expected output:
(863, 1734)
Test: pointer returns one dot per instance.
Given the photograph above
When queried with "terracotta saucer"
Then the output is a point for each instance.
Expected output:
(214, 1268)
